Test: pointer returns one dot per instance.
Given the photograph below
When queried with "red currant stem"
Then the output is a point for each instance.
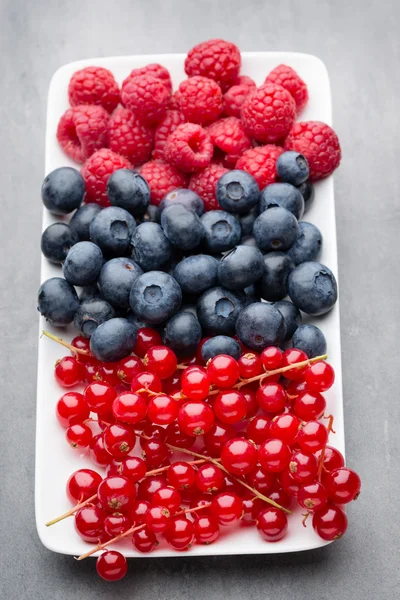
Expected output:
(73, 510)
(147, 391)
(59, 340)
(329, 429)
(162, 469)
(305, 517)
(181, 366)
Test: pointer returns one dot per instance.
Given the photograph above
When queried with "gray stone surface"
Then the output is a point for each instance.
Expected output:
(359, 43)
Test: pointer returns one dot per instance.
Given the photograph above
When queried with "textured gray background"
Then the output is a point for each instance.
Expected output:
(359, 42)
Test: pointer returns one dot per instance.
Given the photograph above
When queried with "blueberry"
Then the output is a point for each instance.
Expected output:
(249, 241)
(137, 323)
(260, 325)
(251, 294)
(183, 333)
(308, 192)
(308, 244)
(112, 340)
(273, 284)
(190, 308)
(247, 222)
(89, 292)
(284, 195)
(240, 268)
(56, 241)
(188, 198)
(292, 167)
(57, 301)
(275, 229)
(291, 315)
(82, 218)
(91, 314)
(112, 230)
(116, 279)
(196, 274)
(155, 296)
(63, 190)
(83, 264)
(182, 227)
(151, 249)
(128, 190)
(237, 191)
(312, 288)
(217, 310)
(220, 344)
(310, 339)
(153, 214)
(222, 231)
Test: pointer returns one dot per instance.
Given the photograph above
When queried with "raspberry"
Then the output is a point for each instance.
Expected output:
(261, 163)
(292, 82)
(94, 85)
(174, 103)
(245, 80)
(189, 148)
(216, 59)
(162, 178)
(146, 96)
(235, 97)
(229, 136)
(82, 130)
(268, 113)
(155, 70)
(319, 144)
(96, 171)
(200, 100)
(129, 137)
(204, 183)
(169, 123)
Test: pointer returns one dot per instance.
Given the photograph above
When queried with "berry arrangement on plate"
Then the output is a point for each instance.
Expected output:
(194, 387)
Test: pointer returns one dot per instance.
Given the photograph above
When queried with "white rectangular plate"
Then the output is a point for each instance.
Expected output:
(55, 461)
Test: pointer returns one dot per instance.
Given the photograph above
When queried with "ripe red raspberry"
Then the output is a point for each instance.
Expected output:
(189, 148)
(235, 97)
(292, 82)
(261, 163)
(157, 71)
(146, 96)
(204, 183)
(129, 137)
(230, 137)
(319, 144)
(94, 85)
(200, 100)
(162, 178)
(244, 80)
(169, 123)
(268, 113)
(174, 103)
(216, 59)
(96, 171)
(82, 130)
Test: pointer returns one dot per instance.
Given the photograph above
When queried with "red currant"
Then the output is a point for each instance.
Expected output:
(333, 459)
(71, 408)
(119, 440)
(149, 485)
(262, 481)
(239, 456)
(144, 540)
(139, 511)
(82, 485)
(180, 533)
(111, 565)
(250, 365)
(309, 406)
(312, 496)
(274, 455)
(167, 497)
(320, 376)
(195, 418)
(271, 397)
(172, 385)
(100, 396)
(82, 343)
(281, 497)
(146, 381)
(176, 437)
(216, 438)
(272, 524)
(294, 388)
(154, 452)
(210, 479)
(271, 358)
(132, 467)
(161, 361)
(107, 372)
(116, 524)
(330, 523)
(251, 508)
(285, 427)
(129, 407)
(146, 339)
(157, 519)
(343, 485)
(223, 371)
(91, 368)
(289, 485)
(258, 429)
(195, 383)
(79, 435)
(116, 494)
(181, 475)
(68, 371)
(303, 467)
(98, 453)
(312, 436)
(292, 356)
(89, 523)
(206, 529)
(252, 405)
(230, 406)
(128, 368)
(227, 508)
(162, 409)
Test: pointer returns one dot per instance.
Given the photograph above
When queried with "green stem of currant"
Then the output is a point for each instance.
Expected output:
(72, 511)
(330, 429)
(59, 340)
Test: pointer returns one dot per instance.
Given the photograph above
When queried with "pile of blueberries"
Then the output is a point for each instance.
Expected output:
(187, 272)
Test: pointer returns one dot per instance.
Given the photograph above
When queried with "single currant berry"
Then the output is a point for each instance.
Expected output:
(281, 497)
(128, 367)
(133, 468)
(116, 524)
(82, 485)
(162, 409)
(119, 440)
(139, 511)
(154, 452)
(100, 397)
(206, 529)
(309, 406)
(146, 339)
(201, 503)
(161, 361)
(258, 429)
(333, 459)
(227, 508)
(239, 456)
(195, 383)
(251, 508)
(320, 376)
(250, 365)
(272, 524)
(312, 436)
(216, 438)
(68, 371)
(230, 406)
(343, 485)
(129, 407)
(223, 371)
(146, 381)
(261, 480)
(116, 494)
(233, 487)
(210, 479)
(89, 523)
(285, 427)
(303, 467)
(293, 356)
(107, 372)
(172, 385)
(252, 405)
(294, 388)
(79, 435)
(144, 540)
(274, 455)
(98, 453)
(180, 533)
(330, 523)
(111, 565)
(168, 497)
(289, 485)
(149, 485)
(271, 397)
(152, 431)
(271, 358)
(195, 418)
(181, 475)
(81, 343)
(312, 496)
(91, 370)
(72, 408)
(158, 519)
(176, 437)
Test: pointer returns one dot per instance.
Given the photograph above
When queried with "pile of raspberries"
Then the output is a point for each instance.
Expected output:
(216, 120)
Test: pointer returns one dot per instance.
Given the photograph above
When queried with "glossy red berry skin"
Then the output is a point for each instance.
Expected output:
(146, 381)
(79, 435)
(258, 429)
(285, 427)
(149, 485)
(175, 437)
(210, 479)
(320, 376)
(71, 408)
(161, 361)
(116, 494)
(223, 371)
(116, 524)
(252, 405)
(271, 397)
(195, 383)
(330, 523)
(128, 368)
(162, 409)
(312, 436)
(144, 540)
(68, 372)
(239, 456)
(291, 357)
(82, 343)
(251, 508)
(168, 497)
(157, 519)
(172, 385)
(107, 372)
(312, 496)
(303, 467)
(132, 467)
(216, 438)
(271, 358)
(100, 396)
(250, 365)
(139, 511)
(281, 497)
(206, 529)
(154, 452)
(289, 485)
(98, 453)
(195, 418)
(274, 455)
(111, 565)
(82, 484)
(230, 406)
(309, 406)
(91, 368)
(294, 388)
(262, 481)
(146, 339)
(180, 533)
(342, 485)
(226, 508)
(129, 407)
(89, 523)
(181, 475)
(333, 459)
(272, 524)
(119, 440)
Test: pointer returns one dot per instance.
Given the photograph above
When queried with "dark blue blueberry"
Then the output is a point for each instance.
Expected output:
(112, 230)
(116, 279)
(153, 214)
(83, 264)
(222, 231)
(91, 314)
(137, 323)
(56, 241)
(81, 219)
(150, 247)
(183, 333)
(89, 292)
(312, 288)
(220, 344)
(63, 190)
(251, 294)
(284, 195)
(292, 167)
(310, 339)
(273, 284)
(129, 190)
(308, 192)
(217, 310)
(196, 274)
(182, 227)
(308, 244)
(260, 325)
(249, 241)
(112, 340)
(247, 222)
(291, 315)
(57, 301)
(155, 296)
(275, 229)
(240, 268)
(188, 198)
(237, 191)
(190, 308)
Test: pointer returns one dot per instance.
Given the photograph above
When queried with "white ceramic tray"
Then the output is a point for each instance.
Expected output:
(55, 461)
